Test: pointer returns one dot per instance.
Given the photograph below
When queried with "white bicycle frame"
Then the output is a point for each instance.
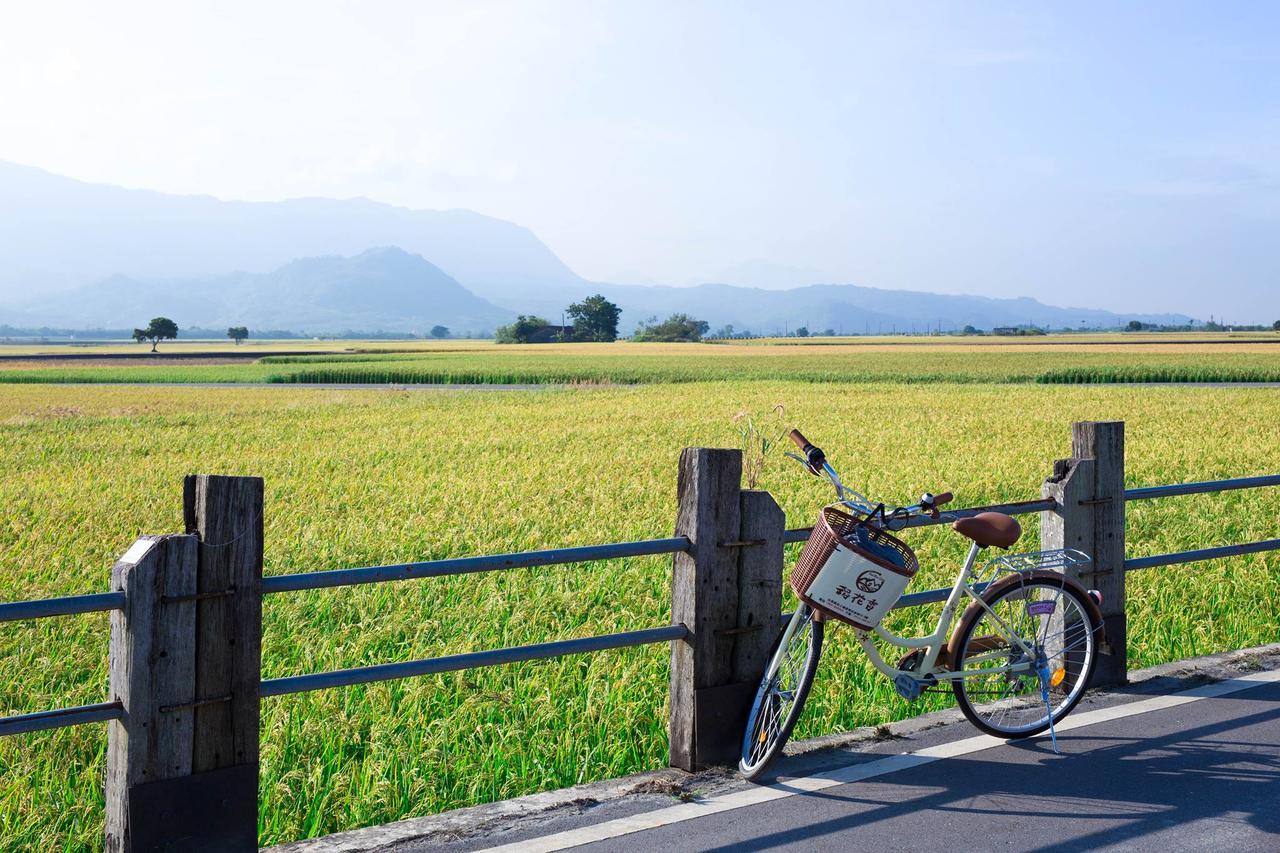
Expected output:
(932, 643)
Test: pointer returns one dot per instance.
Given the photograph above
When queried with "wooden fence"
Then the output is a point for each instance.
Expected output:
(186, 628)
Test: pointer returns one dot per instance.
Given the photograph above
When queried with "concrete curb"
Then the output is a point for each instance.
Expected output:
(676, 784)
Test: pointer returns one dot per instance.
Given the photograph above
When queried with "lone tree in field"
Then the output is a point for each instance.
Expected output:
(160, 329)
(595, 319)
(439, 332)
(238, 334)
(1276, 325)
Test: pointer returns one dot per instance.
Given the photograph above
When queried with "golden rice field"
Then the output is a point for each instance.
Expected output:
(1063, 360)
(380, 476)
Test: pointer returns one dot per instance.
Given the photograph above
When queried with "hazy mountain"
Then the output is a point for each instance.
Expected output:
(57, 232)
(380, 289)
(761, 273)
(130, 249)
(846, 308)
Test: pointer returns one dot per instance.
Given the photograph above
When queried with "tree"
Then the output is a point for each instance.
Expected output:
(1134, 326)
(1276, 325)
(160, 329)
(595, 319)
(677, 327)
(802, 332)
(521, 330)
(439, 331)
(238, 334)
(725, 331)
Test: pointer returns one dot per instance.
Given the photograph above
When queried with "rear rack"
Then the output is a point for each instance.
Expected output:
(1057, 560)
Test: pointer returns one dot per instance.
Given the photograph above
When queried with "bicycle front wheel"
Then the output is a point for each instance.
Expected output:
(1036, 635)
(783, 689)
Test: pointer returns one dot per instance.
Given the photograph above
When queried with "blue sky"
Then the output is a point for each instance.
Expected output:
(1117, 155)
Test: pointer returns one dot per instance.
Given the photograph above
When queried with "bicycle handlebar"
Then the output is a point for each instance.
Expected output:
(816, 461)
(813, 454)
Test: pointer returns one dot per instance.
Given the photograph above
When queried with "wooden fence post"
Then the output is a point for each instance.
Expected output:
(759, 586)
(182, 765)
(1089, 491)
(152, 668)
(728, 591)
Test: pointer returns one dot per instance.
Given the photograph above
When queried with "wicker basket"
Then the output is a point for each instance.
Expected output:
(852, 571)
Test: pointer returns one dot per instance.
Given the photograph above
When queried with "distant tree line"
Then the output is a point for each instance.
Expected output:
(676, 328)
(595, 319)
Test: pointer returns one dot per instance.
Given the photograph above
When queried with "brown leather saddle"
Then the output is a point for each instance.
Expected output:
(989, 528)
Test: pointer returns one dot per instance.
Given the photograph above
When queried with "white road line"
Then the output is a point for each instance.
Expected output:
(863, 770)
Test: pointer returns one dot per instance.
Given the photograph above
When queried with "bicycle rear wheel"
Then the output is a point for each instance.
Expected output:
(783, 689)
(1002, 689)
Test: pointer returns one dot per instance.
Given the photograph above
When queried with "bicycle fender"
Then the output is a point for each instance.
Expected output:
(1015, 580)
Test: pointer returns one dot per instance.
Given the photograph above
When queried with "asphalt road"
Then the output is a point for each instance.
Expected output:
(1146, 774)
(1198, 777)
(1186, 758)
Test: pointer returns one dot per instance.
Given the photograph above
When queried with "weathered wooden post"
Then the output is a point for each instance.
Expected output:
(152, 675)
(1089, 491)
(727, 591)
(182, 765)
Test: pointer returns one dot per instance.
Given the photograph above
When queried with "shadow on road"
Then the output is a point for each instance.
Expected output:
(1125, 786)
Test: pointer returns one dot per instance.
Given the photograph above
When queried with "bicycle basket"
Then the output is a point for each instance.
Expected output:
(854, 572)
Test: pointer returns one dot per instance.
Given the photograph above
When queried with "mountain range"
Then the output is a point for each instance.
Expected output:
(383, 289)
(75, 254)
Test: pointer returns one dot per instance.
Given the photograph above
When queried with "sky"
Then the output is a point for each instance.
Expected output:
(1111, 155)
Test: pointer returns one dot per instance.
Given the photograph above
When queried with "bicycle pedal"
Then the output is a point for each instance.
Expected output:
(908, 686)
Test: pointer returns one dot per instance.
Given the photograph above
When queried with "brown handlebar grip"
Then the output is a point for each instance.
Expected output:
(944, 498)
(799, 439)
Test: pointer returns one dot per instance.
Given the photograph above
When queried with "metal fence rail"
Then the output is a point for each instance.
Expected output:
(801, 534)
(107, 601)
(1136, 563)
(67, 606)
(469, 565)
(61, 718)
(471, 660)
(1207, 487)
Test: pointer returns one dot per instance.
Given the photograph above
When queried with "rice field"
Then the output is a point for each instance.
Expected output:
(382, 476)
(904, 360)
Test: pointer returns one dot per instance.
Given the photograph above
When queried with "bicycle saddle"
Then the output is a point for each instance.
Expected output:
(989, 528)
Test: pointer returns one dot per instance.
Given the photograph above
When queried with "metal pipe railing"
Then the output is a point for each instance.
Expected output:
(801, 534)
(61, 718)
(1136, 563)
(107, 601)
(1210, 486)
(469, 565)
(66, 606)
(471, 660)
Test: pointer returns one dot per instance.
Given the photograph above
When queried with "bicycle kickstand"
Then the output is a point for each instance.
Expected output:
(1048, 709)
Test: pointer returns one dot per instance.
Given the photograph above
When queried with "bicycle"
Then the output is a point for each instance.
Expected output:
(1019, 660)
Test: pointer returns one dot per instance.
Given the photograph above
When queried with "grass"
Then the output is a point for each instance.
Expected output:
(905, 361)
(370, 477)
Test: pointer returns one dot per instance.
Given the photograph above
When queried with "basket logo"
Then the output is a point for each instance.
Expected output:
(870, 581)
